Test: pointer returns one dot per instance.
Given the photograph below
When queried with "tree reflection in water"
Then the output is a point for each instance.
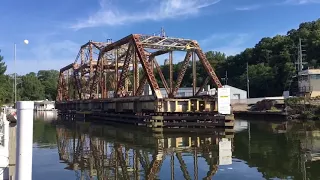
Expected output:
(281, 150)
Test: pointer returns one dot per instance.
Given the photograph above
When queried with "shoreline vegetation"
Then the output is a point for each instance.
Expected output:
(294, 108)
(303, 108)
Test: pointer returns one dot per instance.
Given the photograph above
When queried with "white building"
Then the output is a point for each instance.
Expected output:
(188, 91)
(44, 105)
(309, 82)
(236, 93)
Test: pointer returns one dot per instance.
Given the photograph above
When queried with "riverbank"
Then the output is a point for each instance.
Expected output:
(303, 108)
(292, 108)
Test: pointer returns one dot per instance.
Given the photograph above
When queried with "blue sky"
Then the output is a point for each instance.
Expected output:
(56, 29)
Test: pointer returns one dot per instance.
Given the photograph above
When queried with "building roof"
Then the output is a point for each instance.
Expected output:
(231, 87)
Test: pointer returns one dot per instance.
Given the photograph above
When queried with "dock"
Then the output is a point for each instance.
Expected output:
(116, 82)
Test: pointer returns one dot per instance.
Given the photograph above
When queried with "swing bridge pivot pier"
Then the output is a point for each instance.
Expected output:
(122, 82)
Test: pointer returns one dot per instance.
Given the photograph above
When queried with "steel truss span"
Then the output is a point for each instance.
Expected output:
(124, 68)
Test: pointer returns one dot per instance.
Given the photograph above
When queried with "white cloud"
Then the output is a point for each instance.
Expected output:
(164, 9)
(59, 49)
(300, 2)
(235, 43)
(248, 8)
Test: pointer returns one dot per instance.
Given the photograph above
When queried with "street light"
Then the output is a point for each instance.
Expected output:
(15, 74)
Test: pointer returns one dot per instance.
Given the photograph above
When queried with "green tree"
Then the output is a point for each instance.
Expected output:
(49, 80)
(261, 79)
(32, 89)
(5, 84)
(3, 67)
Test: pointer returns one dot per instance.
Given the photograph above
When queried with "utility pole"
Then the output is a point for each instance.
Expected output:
(162, 33)
(301, 51)
(248, 81)
(15, 74)
(226, 78)
(15, 68)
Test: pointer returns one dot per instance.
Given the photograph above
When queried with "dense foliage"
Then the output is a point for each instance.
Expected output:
(271, 67)
(271, 62)
(31, 86)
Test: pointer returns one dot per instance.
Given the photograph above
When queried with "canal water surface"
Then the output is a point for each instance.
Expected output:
(257, 150)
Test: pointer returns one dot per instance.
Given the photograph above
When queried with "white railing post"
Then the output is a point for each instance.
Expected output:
(24, 140)
(4, 146)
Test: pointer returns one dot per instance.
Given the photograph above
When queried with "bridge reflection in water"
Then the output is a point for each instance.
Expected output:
(108, 152)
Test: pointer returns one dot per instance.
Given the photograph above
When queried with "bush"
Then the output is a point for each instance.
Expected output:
(293, 101)
(307, 115)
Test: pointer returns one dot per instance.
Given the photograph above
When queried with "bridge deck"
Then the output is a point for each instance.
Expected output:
(148, 111)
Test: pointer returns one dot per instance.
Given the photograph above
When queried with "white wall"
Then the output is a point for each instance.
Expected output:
(43, 107)
(237, 93)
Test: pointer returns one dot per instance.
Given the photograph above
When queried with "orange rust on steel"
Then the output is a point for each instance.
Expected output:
(101, 80)
(142, 44)
(116, 44)
(91, 59)
(77, 80)
(182, 72)
(203, 85)
(183, 166)
(143, 80)
(59, 91)
(170, 73)
(208, 67)
(135, 73)
(67, 67)
(124, 72)
(91, 43)
(122, 161)
(155, 167)
(93, 85)
(163, 79)
(103, 88)
(145, 64)
(101, 54)
(211, 172)
(62, 90)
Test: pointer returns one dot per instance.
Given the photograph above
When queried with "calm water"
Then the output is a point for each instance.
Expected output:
(259, 150)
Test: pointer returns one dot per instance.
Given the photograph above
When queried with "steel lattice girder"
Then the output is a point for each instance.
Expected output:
(111, 57)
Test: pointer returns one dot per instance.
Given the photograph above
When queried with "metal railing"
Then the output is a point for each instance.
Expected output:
(305, 89)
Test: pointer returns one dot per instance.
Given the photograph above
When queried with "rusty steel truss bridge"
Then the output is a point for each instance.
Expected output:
(118, 77)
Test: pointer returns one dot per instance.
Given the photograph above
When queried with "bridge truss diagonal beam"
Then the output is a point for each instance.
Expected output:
(112, 69)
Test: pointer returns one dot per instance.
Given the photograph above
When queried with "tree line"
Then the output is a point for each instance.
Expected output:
(271, 67)
(32, 86)
(271, 62)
